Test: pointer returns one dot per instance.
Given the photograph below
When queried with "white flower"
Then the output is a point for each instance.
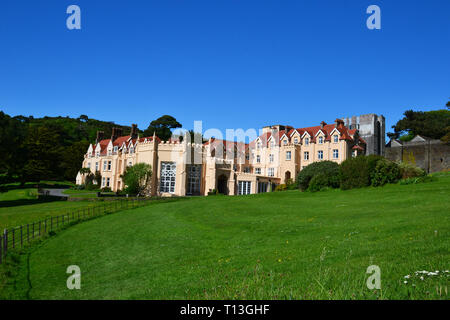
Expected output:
(421, 278)
(405, 282)
(407, 276)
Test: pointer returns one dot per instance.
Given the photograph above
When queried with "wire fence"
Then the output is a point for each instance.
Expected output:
(18, 237)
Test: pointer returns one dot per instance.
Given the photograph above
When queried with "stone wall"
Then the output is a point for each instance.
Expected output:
(432, 155)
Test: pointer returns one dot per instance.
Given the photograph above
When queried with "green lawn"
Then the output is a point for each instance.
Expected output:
(281, 245)
(18, 194)
(12, 216)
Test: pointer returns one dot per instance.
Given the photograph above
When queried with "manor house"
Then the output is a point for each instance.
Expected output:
(188, 168)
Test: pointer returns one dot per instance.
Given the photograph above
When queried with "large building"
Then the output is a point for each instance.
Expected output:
(185, 168)
(372, 128)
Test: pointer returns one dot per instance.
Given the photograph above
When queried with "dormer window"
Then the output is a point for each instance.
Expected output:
(320, 140)
(296, 140)
(109, 152)
(272, 144)
(258, 145)
(285, 142)
(115, 149)
(131, 150)
(306, 141)
(97, 153)
(335, 138)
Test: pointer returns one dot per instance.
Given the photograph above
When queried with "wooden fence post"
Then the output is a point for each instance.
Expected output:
(5, 241)
(33, 231)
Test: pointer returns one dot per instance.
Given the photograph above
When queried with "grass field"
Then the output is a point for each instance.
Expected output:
(283, 245)
(28, 213)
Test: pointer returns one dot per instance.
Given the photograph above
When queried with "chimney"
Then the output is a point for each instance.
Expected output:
(116, 132)
(323, 124)
(100, 135)
(134, 131)
(339, 123)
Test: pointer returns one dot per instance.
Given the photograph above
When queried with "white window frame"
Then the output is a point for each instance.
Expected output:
(306, 141)
(335, 153)
(257, 170)
(306, 155)
(288, 155)
(271, 157)
(320, 139)
(271, 172)
(258, 158)
(168, 177)
(335, 138)
(320, 155)
(244, 187)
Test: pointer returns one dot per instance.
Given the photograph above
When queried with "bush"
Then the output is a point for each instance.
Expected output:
(106, 189)
(358, 172)
(281, 187)
(213, 192)
(329, 168)
(386, 172)
(408, 170)
(319, 182)
(415, 180)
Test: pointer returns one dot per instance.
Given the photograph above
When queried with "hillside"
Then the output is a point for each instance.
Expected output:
(46, 148)
(280, 245)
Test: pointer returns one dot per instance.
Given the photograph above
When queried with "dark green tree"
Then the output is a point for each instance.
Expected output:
(72, 157)
(430, 124)
(43, 152)
(162, 127)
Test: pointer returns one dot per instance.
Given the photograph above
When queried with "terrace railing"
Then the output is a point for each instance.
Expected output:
(21, 236)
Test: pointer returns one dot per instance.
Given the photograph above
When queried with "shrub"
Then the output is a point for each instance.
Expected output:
(137, 178)
(213, 192)
(358, 172)
(319, 182)
(106, 189)
(385, 172)
(408, 170)
(414, 180)
(329, 168)
(281, 187)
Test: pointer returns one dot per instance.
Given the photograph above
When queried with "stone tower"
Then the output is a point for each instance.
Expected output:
(372, 129)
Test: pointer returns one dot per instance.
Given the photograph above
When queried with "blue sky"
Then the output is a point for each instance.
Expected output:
(230, 63)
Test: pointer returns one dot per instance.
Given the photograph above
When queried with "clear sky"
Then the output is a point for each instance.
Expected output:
(230, 63)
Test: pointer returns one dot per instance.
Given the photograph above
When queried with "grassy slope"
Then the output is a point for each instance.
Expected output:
(18, 215)
(277, 245)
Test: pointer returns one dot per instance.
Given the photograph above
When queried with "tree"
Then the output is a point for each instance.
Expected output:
(137, 178)
(43, 154)
(162, 127)
(430, 124)
(72, 158)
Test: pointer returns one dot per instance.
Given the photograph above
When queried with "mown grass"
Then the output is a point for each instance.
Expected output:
(286, 245)
(12, 216)
(18, 194)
